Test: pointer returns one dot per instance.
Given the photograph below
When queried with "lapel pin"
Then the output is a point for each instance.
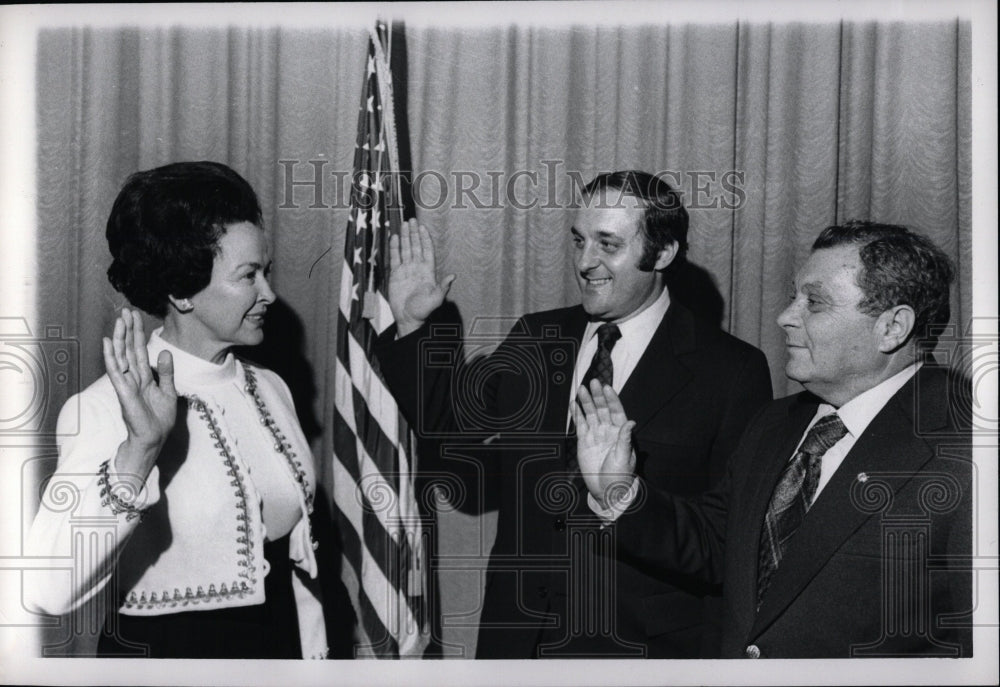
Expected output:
(862, 477)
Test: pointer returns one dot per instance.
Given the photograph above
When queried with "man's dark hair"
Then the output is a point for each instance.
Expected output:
(165, 226)
(900, 267)
(666, 220)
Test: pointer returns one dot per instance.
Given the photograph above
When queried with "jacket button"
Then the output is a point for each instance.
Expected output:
(543, 591)
(753, 651)
(560, 525)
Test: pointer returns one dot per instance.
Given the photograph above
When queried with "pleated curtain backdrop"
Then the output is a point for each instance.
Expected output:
(823, 123)
(772, 131)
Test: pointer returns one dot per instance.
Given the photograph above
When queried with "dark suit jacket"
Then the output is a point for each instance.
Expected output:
(555, 585)
(876, 568)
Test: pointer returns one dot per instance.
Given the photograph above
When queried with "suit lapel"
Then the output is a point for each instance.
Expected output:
(888, 445)
(660, 374)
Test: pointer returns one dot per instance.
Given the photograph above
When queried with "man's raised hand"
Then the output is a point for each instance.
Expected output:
(604, 443)
(414, 292)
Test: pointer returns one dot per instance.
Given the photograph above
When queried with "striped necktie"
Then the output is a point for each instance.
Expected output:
(793, 496)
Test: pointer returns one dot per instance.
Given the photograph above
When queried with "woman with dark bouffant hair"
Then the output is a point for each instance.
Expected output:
(189, 485)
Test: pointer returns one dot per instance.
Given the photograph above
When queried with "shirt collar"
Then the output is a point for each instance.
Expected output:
(858, 413)
(647, 319)
(190, 371)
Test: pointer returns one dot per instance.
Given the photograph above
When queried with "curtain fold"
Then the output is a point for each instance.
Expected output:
(772, 131)
(786, 123)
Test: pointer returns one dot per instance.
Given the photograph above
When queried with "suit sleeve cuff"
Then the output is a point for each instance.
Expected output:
(614, 510)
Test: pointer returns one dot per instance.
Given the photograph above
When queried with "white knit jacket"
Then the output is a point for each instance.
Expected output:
(198, 544)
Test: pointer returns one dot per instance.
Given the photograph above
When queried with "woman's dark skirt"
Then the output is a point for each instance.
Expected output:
(268, 630)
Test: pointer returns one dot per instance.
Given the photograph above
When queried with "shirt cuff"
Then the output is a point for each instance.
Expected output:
(614, 510)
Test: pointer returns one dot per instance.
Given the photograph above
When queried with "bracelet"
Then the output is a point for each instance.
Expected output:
(112, 500)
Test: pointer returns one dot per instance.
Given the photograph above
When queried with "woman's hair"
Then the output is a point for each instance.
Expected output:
(165, 226)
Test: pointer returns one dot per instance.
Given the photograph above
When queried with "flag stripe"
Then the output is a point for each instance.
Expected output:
(380, 570)
(381, 644)
(377, 490)
(379, 402)
(373, 623)
(358, 411)
(374, 523)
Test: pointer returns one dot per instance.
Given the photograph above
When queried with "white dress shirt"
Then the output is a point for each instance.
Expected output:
(856, 415)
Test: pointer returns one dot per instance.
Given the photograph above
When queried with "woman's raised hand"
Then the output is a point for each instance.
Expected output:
(414, 292)
(149, 406)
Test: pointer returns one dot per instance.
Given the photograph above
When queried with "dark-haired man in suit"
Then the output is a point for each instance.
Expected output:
(553, 589)
(843, 526)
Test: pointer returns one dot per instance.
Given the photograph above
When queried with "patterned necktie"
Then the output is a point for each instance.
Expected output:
(601, 368)
(793, 496)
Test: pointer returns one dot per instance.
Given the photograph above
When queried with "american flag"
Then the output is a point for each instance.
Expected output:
(374, 462)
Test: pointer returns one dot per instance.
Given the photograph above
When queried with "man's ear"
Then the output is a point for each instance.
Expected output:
(666, 256)
(181, 304)
(894, 327)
